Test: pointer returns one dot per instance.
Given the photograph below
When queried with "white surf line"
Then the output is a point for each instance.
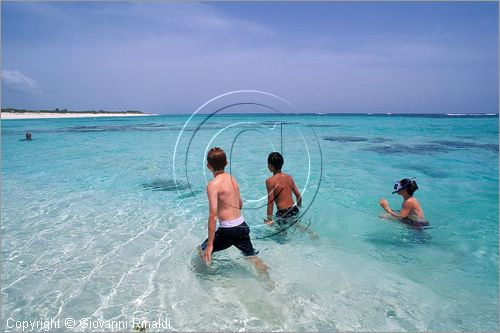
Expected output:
(37, 235)
(128, 273)
(155, 272)
(40, 258)
(13, 283)
(86, 278)
(71, 262)
(161, 299)
(29, 241)
(20, 252)
(139, 300)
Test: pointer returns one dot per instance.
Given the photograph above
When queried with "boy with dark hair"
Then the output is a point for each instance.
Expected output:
(280, 187)
(411, 212)
(224, 204)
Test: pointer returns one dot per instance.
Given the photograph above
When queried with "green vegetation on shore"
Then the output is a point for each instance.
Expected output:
(63, 111)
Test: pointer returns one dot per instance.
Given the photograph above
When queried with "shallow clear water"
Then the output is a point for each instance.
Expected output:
(94, 223)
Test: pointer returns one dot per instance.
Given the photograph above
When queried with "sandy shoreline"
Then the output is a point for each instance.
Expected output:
(41, 115)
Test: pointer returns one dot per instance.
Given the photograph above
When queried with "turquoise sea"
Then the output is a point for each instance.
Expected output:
(101, 218)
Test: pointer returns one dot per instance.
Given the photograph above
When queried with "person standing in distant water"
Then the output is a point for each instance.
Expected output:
(411, 212)
(28, 136)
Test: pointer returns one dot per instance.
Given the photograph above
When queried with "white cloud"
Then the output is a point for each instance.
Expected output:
(15, 80)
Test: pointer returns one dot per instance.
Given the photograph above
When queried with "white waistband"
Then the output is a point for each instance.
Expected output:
(231, 223)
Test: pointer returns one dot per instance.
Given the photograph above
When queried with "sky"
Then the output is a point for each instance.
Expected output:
(329, 57)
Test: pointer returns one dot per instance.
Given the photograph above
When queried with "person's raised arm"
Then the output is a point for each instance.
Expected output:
(405, 211)
(270, 202)
(296, 191)
(212, 217)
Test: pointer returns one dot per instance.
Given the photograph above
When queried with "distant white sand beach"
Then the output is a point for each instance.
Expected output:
(47, 115)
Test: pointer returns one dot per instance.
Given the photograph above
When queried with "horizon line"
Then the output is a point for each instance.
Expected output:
(341, 113)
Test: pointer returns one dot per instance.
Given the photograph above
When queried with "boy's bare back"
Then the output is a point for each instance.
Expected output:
(224, 203)
(281, 186)
(224, 190)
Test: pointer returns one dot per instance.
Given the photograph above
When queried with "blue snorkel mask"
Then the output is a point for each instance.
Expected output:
(398, 187)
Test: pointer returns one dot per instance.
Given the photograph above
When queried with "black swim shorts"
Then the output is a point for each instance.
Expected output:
(238, 236)
(287, 214)
(416, 224)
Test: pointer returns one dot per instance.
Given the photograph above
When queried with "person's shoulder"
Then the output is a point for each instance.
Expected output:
(232, 179)
(412, 201)
(212, 185)
(415, 201)
(270, 179)
(289, 177)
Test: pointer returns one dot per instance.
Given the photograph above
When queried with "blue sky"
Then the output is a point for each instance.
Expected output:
(165, 57)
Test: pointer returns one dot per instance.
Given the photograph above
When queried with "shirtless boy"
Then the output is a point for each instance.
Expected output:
(280, 187)
(224, 204)
(411, 212)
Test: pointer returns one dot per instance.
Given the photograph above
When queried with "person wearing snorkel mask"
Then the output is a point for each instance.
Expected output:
(411, 212)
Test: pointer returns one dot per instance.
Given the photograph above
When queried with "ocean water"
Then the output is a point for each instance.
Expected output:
(101, 218)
